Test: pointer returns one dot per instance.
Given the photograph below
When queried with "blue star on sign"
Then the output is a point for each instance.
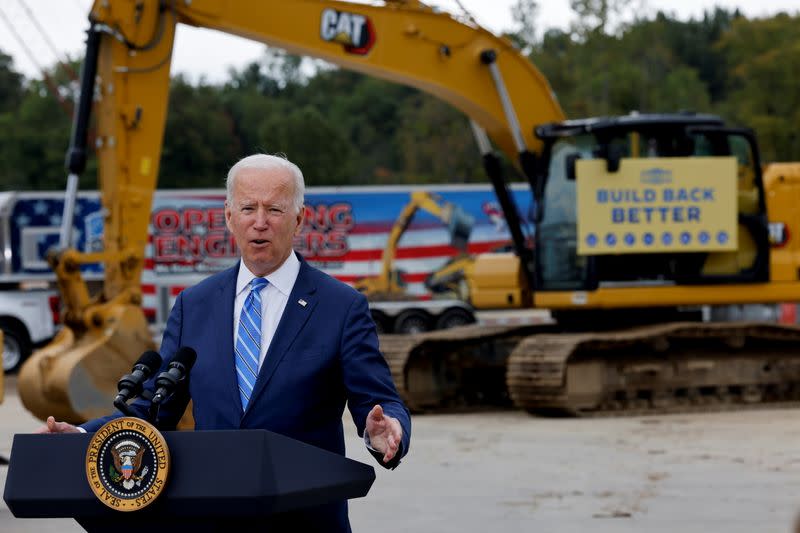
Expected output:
(647, 239)
(666, 238)
(591, 239)
(611, 239)
(722, 237)
(40, 208)
(686, 238)
(703, 237)
(630, 239)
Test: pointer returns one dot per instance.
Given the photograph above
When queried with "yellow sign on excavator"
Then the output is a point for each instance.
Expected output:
(657, 205)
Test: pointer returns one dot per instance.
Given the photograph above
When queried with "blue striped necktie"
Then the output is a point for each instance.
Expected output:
(248, 343)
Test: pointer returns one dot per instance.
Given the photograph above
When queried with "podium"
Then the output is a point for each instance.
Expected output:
(218, 480)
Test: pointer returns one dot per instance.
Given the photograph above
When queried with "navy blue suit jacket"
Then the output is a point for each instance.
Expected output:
(324, 354)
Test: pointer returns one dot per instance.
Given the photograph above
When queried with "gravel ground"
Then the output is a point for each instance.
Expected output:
(726, 472)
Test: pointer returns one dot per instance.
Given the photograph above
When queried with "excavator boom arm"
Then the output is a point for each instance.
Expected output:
(404, 42)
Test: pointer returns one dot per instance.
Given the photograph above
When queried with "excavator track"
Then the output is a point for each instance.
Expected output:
(667, 368)
(454, 369)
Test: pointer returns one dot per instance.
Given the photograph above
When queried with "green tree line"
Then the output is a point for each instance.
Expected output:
(346, 128)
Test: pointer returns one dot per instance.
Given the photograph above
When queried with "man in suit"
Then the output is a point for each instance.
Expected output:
(318, 347)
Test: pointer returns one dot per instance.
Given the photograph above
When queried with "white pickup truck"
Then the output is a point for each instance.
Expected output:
(29, 302)
(28, 317)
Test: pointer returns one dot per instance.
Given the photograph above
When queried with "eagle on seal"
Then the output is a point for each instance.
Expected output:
(128, 461)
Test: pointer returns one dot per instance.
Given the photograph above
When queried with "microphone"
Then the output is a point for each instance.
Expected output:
(176, 372)
(131, 385)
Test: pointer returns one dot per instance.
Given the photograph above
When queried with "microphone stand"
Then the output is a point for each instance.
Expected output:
(125, 409)
(155, 405)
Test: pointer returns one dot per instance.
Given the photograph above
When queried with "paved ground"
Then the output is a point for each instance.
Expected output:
(506, 471)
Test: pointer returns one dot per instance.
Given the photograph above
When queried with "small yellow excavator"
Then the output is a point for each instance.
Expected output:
(641, 219)
(388, 284)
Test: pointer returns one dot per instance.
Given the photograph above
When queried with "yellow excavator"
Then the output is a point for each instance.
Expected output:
(395, 310)
(388, 284)
(640, 220)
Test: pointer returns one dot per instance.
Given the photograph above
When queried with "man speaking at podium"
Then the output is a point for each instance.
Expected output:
(280, 345)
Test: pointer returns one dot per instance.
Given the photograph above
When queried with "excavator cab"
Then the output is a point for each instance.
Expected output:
(680, 211)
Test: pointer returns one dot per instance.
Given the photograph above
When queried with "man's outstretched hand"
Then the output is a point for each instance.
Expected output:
(57, 427)
(385, 433)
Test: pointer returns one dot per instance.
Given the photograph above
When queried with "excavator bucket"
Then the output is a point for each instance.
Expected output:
(459, 228)
(74, 378)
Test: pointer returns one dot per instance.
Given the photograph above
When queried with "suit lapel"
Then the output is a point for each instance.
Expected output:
(294, 318)
(227, 365)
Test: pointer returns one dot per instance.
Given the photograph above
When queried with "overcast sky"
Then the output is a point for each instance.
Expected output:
(210, 54)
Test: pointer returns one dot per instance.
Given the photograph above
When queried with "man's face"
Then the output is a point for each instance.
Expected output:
(262, 217)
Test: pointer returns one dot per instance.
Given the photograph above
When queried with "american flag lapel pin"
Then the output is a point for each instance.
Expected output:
(302, 302)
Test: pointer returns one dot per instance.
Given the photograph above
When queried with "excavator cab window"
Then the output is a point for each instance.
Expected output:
(740, 144)
(749, 192)
(750, 262)
(559, 266)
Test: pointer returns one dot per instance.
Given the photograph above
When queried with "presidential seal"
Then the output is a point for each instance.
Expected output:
(127, 464)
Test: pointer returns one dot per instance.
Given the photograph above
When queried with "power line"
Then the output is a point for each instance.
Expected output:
(70, 71)
(51, 86)
(467, 13)
(20, 40)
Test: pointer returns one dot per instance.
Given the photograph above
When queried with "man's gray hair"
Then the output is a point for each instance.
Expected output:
(268, 162)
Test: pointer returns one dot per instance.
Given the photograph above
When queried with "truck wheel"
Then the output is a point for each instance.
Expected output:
(454, 317)
(16, 347)
(381, 322)
(412, 321)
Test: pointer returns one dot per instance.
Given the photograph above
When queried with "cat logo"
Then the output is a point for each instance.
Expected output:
(353, 31)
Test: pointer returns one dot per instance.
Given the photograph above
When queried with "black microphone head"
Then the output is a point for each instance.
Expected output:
(186, 356)
(150, 359)
(131, 384)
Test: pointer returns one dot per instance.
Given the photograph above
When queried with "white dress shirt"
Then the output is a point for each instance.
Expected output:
(273, 299)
